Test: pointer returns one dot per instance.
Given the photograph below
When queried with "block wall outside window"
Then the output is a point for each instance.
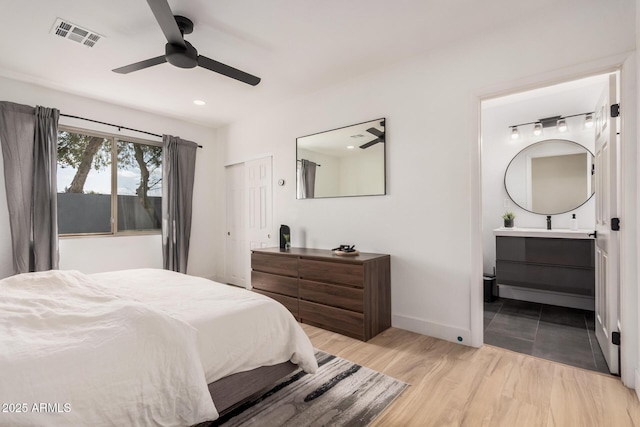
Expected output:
(108, 184)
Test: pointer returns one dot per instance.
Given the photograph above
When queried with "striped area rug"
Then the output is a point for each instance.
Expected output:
(341, 393)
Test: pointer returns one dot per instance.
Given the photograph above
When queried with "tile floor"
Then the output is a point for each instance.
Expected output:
(561, 334)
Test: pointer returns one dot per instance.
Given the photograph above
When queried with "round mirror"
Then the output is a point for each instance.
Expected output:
(550, 177)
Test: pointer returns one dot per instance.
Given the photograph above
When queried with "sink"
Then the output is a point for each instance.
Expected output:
(558, 233)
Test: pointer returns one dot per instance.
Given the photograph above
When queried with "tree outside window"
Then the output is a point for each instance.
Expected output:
(97, 195)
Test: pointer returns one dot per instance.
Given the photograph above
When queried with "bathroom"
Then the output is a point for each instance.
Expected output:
(553, 322)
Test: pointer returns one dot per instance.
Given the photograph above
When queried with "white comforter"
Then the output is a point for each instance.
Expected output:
(238, 330)
(133, 348)
(73, 353)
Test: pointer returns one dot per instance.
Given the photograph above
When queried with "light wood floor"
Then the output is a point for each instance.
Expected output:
(456, 385)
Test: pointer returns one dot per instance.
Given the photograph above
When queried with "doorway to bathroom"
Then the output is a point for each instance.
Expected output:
(540, 162)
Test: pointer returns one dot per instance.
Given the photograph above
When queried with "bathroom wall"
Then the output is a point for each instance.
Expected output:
(498, 148)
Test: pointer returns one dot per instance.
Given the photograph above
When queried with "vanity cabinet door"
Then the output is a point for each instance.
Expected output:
(538, 250)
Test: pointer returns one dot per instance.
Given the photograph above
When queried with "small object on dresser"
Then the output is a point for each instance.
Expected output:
(345, 250)
(285, 237)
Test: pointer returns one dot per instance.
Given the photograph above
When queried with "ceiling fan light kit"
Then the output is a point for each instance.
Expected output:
(181, 53)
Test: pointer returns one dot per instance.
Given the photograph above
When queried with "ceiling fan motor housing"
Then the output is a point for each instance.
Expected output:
(180, 56)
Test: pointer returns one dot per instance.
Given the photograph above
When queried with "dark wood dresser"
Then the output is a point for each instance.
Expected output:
(350, 295)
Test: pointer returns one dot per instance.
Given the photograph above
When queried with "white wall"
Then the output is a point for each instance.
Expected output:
(96, 254)
(635, 295)
(498, 149)
(430, 107)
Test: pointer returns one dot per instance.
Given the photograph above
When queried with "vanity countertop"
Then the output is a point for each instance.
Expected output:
(559, 233)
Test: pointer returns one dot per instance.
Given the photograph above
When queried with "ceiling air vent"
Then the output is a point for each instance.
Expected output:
(70, 31)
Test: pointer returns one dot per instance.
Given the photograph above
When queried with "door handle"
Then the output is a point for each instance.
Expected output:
(268, 236)
(594, 234)
(228, 233)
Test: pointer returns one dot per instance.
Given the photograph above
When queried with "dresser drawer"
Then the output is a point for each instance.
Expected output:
(334, 319)
(284, 265)
(274, 283)
(337, 296)
(332, 272)
(290, 303)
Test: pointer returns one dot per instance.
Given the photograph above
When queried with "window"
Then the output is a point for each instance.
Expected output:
(108, 184)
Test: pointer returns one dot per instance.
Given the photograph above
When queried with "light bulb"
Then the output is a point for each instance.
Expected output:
(562, 125)
(588, 121)
(537, 129)
(514, 133)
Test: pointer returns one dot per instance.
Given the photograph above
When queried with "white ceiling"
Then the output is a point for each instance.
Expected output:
(295, 46)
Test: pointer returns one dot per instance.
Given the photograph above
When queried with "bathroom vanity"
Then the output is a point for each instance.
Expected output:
(549, 266)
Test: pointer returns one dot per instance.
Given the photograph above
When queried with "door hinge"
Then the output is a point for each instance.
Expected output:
(615, 110)
(615, 224)
(615, 338)
(593, 168)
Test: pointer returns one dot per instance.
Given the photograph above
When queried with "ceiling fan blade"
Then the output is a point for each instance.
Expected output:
(228, 71)
(376, 132)
(167, 21)
(370, 143)
(140, 65)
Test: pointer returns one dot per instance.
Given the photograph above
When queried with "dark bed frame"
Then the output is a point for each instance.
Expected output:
(230, 392)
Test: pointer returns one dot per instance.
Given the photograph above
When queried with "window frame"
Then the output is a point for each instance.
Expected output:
(114, 138)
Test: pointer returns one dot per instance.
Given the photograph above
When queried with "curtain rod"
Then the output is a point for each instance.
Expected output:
(115, 126)
(308, 161)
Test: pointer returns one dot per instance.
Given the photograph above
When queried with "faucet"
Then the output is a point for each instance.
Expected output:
(548, 222)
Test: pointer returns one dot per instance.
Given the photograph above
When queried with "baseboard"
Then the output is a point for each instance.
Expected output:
(637, 383)
(547, 297)
(432, 329)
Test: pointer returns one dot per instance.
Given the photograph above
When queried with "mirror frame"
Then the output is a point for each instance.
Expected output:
(384, 161)
(593, 191)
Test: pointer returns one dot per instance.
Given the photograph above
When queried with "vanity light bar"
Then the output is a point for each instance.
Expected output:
(558, 121)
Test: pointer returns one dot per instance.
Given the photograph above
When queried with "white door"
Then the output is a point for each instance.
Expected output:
(607, 241)
(259, 206)
(236, 242)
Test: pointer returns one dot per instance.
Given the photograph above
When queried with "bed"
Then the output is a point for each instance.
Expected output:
(137, 347)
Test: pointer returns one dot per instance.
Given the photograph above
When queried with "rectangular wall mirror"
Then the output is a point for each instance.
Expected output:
(349, 161)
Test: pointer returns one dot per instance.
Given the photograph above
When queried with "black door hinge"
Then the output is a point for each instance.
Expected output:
(615, 224)
(593, 168)
(615, 338)
(615, 110)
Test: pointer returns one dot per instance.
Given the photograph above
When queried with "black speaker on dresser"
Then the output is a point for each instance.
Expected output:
(285, 237)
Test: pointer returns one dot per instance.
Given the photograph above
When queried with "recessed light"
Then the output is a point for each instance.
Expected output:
(199, 102)
(350, 147)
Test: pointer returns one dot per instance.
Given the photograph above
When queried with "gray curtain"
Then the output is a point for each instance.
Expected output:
(178, 167)
(308, 178)
(29, 139)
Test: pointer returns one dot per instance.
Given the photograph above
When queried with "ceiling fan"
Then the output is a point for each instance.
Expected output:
(377, 133)
(180, 52)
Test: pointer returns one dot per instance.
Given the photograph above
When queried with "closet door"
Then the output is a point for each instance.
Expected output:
(236, 241)
(259, 205)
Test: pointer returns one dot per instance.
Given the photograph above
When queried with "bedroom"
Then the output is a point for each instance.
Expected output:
(428, 92)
